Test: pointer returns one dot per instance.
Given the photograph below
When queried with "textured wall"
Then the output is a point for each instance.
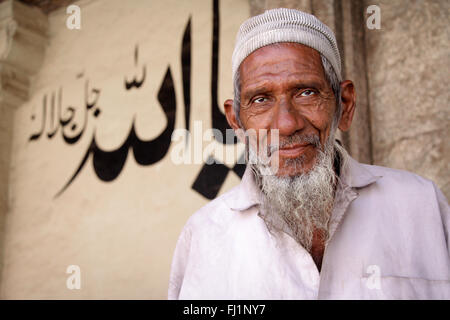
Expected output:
(5, 154)
(22, 46)
(120, 232)
(408, 71)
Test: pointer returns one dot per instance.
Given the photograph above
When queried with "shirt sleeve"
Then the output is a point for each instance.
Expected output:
(445, 214)
(179, 263)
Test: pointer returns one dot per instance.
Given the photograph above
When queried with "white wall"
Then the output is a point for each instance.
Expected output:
(120, 233)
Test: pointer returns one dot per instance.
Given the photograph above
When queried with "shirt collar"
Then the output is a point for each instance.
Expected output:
(357, 175)
(247, 194)
(353, 175)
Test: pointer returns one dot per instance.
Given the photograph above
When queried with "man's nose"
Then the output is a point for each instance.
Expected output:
(287, 120)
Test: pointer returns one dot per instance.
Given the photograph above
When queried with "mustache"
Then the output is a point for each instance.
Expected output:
(295, 139)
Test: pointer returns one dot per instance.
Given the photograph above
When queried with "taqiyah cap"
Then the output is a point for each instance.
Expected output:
(285, 25)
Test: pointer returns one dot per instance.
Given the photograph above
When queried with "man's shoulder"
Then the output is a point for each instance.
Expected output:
(396, 181)
(399, 176)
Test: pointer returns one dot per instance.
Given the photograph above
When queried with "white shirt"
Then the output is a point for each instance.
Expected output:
(389, 240)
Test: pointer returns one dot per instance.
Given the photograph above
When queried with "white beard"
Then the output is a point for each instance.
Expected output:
(304, 202)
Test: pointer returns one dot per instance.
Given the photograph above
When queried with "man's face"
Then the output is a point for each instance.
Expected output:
(284, 87)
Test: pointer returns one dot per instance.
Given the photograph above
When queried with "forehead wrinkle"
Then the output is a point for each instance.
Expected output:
(275, 68)
(261, 76)
(271, 83)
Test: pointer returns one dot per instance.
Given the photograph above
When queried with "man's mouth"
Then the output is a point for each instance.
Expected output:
(293, 151)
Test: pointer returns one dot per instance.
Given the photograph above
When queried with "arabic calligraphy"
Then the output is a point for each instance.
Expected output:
(136, 83)
(66, 120)
(71, 121)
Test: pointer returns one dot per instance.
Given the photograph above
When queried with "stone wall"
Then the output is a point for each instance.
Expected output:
(87, 158)
(408, 71)
(23, 38)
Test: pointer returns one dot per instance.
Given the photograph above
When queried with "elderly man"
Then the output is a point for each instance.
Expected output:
(318, 224)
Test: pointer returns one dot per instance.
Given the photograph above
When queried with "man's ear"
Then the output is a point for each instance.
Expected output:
(348, 100)
(231, 116)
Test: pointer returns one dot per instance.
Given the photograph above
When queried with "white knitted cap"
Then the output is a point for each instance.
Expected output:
(285, 25)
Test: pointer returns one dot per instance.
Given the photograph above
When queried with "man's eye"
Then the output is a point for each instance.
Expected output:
(260, 100)
(307, 93)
